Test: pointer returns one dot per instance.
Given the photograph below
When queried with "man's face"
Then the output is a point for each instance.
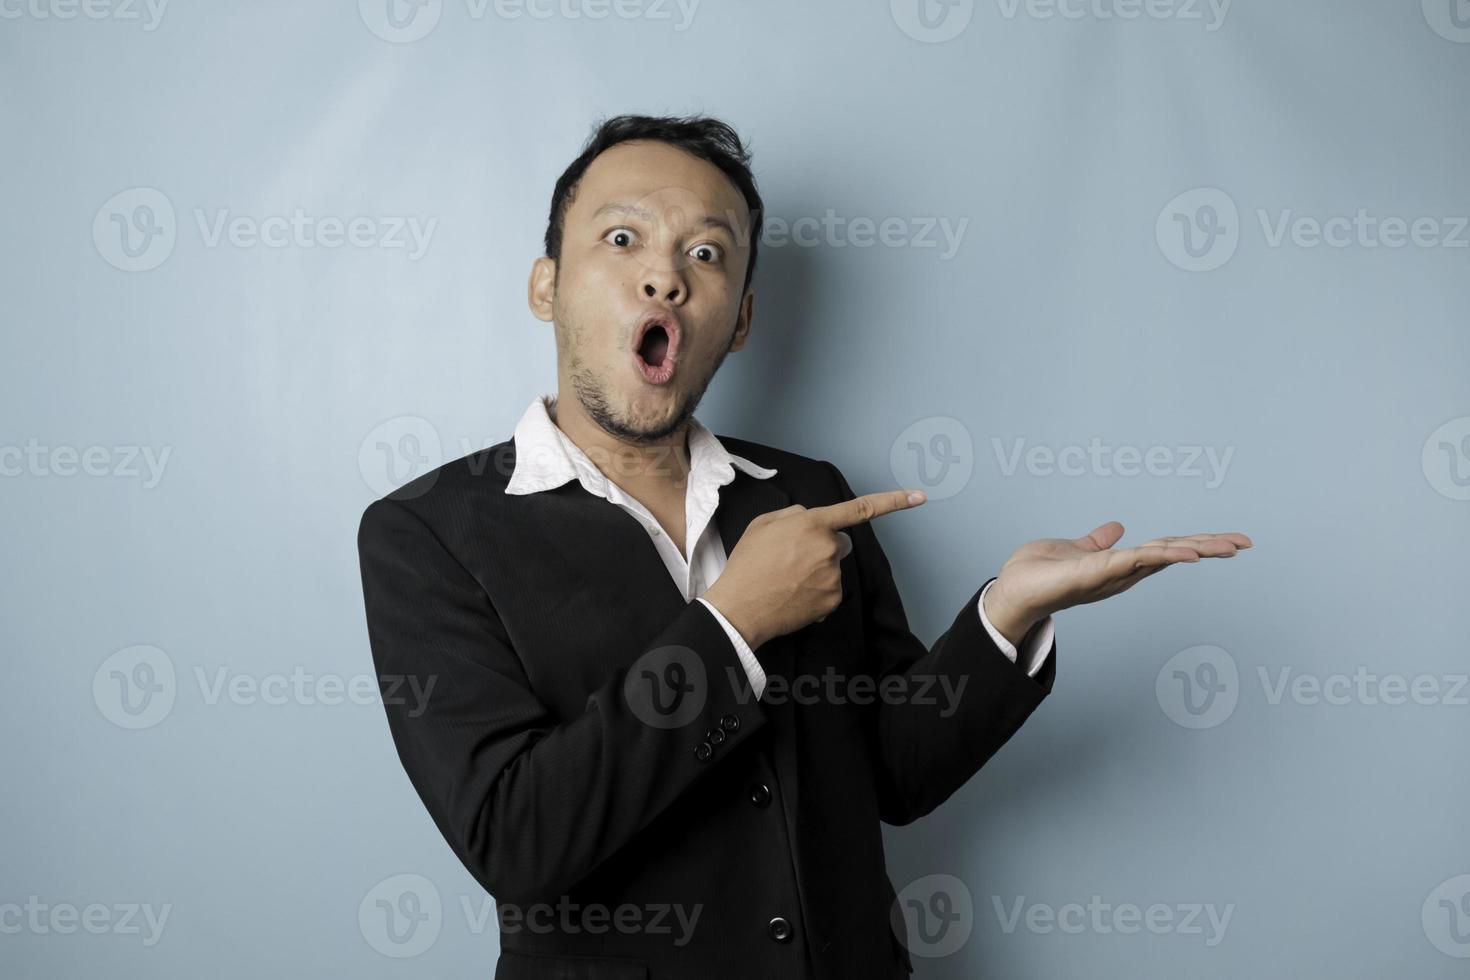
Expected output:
(650, 230)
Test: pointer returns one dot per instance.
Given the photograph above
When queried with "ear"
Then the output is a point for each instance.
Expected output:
(743, 320)
(541, 288)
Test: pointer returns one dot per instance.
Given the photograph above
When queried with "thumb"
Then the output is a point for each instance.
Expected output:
(845, 548)
(1102, 537)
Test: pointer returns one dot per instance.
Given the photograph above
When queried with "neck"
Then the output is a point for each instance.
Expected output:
(655, 466)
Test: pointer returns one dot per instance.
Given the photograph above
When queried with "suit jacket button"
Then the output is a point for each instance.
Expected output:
(703, 751)
(779, 930)
(715, 736)
(760, 795)
(730, 723)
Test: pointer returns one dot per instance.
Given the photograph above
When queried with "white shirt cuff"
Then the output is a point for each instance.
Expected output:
(1035, 645)
(753, 668)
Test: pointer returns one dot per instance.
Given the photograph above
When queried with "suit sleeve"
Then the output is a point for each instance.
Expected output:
(528, 802)
(926, 748)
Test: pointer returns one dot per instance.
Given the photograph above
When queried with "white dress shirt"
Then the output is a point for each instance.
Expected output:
(547, 458)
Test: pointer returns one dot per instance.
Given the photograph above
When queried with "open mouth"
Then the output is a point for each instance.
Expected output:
(655, 348)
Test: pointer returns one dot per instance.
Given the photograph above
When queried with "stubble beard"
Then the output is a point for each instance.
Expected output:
(591, 392)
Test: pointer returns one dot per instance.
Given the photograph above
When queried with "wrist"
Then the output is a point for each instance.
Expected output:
(1011, 620)
(744, 624)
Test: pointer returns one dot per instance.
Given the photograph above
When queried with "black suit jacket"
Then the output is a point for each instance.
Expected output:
(555, 637)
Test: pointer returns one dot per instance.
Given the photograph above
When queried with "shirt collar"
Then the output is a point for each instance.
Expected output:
(547, 458)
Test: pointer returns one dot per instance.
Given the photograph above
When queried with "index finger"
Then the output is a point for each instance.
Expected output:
(866, 507)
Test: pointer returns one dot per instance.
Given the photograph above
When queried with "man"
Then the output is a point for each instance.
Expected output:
(674, 689)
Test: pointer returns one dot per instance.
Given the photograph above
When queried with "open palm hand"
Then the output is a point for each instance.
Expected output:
(1052, 574)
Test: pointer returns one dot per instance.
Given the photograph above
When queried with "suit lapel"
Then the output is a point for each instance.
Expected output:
(609, 552)
(741, 502)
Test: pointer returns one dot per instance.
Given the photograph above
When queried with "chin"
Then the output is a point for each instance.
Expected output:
(653, 412)
(632, 409)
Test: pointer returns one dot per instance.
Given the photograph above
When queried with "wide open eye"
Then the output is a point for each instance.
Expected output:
(712, 253)
(625, 234)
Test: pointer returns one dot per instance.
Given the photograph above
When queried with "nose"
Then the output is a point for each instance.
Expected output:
(651, 290)
(664, 280)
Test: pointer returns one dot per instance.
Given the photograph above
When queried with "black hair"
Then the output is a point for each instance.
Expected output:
(703, 136)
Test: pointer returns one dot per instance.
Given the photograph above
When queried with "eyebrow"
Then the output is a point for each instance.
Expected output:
(619, 207)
